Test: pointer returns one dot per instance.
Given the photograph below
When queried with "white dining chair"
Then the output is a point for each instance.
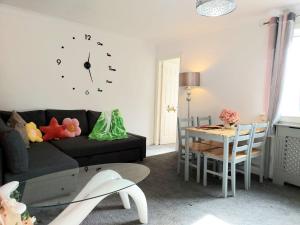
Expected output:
(257, 146)
(196, 148)
(207, 121)
(238, 154)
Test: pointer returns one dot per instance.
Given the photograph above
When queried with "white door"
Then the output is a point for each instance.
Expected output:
(169, 100)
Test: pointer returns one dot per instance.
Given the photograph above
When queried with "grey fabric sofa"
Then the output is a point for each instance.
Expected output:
(54, 156)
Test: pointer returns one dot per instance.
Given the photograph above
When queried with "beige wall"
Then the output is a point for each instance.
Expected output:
(30, 79)
(232, 63)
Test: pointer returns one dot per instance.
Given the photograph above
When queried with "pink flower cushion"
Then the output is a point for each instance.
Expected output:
(71, 126)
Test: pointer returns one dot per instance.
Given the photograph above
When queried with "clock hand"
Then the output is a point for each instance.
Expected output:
(89, 57)
(91, 75)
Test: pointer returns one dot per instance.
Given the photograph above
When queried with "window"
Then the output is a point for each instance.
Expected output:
(290, 105)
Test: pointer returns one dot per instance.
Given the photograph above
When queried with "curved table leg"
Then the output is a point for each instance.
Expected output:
(139, 198)
(125, 199)
(102, 182)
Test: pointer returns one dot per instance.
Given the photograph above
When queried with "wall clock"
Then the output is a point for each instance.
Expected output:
(85, 67)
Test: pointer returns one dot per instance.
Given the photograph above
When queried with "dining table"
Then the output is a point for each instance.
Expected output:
(213, 133)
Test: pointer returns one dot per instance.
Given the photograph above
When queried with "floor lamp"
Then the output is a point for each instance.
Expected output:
(188, 80)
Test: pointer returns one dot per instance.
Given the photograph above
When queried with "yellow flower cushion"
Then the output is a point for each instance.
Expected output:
(33, 133)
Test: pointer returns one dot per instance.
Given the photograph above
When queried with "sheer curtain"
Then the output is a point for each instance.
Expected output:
(281, 32)
(290, 104)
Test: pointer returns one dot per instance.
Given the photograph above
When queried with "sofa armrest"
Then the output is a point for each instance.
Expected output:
(143, 141)
(138, 136)
(1, 166)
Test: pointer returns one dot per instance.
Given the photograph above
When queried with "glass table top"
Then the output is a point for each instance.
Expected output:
(61, 188)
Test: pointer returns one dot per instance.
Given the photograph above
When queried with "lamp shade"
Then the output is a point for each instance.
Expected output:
(189, 79)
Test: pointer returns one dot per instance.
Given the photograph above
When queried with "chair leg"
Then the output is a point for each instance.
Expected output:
(179, 161)
(205, 172)
(233, 175)
(247, 174)
(198, 166)
(262, 168)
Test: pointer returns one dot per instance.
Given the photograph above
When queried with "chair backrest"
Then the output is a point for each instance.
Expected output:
(259, 135)
(242, 140)
(203, 121)
(182, 124)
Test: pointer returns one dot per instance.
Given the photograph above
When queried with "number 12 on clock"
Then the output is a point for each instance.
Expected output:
(88, 37)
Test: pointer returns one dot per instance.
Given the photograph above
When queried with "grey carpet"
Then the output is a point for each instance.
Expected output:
(172, 201)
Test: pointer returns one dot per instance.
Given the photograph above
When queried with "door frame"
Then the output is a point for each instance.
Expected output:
(158, 96)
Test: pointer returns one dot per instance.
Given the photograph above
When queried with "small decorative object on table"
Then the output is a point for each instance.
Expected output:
(13, 212)
(109, 126)
(229, 117)
(71, 126)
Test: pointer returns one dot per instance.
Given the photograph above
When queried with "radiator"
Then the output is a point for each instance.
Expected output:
(287, 154)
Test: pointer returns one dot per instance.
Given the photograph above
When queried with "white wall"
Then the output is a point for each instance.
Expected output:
(30, 79)
(232, 63)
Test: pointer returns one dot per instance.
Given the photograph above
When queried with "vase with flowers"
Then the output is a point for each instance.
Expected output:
(229, 118)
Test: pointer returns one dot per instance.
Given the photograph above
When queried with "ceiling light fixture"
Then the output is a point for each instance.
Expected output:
(215, 7)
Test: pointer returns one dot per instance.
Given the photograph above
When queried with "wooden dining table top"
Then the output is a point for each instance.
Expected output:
(224, 132)
(228, 132)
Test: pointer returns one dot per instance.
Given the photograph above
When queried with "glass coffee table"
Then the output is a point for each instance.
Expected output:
(82, 189)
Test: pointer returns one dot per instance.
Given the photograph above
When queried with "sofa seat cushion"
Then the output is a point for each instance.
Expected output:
(81, 146)
(60, 115)
(44, 159)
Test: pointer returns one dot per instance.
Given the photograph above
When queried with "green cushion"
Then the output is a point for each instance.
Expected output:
(109, 127)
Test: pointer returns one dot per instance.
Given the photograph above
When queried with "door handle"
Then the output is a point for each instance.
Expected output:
(171, 109)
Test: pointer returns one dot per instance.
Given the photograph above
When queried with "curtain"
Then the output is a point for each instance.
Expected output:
(281, 32)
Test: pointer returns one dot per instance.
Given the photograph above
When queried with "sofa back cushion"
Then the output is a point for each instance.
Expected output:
(60, 115)
(36, 116)
(3, 126)
(16, 122)
(5, 115)
(92, 118)
(15, 152)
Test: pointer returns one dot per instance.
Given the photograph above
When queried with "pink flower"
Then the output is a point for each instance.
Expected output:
(229, 116)
(71, 126)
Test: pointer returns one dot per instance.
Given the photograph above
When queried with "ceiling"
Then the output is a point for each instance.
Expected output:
(155, 20)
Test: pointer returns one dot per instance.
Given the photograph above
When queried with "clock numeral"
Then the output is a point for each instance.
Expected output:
(109, 81)
(99, 43)
(108, 54)
(87, 92)
(58, 61)
(100, 90)
(112, 69)
(88, 37)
